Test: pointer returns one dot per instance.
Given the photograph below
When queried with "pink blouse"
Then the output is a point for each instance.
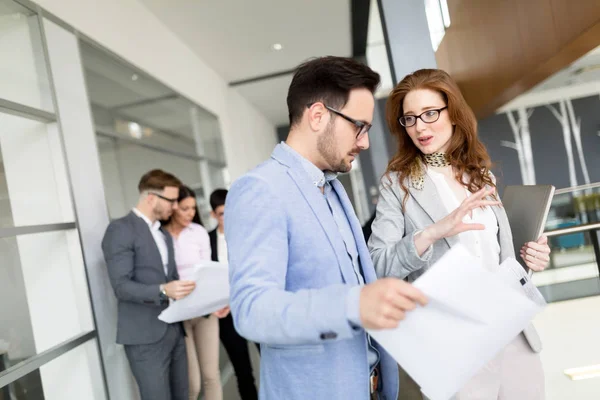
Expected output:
(191, 247)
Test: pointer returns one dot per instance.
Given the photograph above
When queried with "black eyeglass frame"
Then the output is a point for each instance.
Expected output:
(160, 196)
(363, 127)
(438, 110)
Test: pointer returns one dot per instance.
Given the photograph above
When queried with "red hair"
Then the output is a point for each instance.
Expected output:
(466, 153)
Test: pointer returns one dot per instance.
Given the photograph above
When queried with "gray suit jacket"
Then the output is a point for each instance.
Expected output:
(392, 244)
(136, 272)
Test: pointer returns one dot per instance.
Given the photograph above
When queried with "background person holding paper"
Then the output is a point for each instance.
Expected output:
(302, 281)
(141, 265)
(439, 191)
(192, 245)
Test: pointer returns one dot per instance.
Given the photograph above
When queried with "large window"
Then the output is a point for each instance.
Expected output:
(46, 322)
(141, 125)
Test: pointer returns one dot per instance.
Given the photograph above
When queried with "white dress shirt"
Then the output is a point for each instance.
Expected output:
(159, 238)
(221, 247)
(483, 244)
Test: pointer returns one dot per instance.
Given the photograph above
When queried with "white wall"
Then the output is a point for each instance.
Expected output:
(130, 30)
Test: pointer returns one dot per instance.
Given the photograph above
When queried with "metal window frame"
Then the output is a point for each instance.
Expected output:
(43, 13)
(23, 368)
(31, 229)
(24, 111)
(100, 131)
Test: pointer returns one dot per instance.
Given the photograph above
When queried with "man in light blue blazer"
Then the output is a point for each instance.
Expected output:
(302, 281)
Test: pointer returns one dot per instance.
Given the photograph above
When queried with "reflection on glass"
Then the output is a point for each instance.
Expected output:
(33, 182)
(23, 75)
(16, 333)
(573, 268)
(28, 387)
(43, 292)
(123, 164)
(130, 105)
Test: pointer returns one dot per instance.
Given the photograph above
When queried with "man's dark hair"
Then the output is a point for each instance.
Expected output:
(157, 180)
(217, 198)
(328, 80)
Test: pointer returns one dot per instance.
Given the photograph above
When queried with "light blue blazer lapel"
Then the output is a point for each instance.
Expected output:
(430, 201)
(319, 206)
(363, 251)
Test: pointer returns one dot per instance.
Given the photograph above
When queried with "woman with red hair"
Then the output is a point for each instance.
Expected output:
(438, 191)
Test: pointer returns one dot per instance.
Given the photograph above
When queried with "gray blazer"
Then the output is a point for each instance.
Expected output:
(136, 272)
(392, 244)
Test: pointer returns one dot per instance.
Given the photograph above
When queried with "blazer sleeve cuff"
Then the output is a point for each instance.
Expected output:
(353, 307)
(413, 260)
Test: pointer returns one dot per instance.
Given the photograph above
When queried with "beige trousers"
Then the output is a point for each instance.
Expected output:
(514, 374)
(202, 345)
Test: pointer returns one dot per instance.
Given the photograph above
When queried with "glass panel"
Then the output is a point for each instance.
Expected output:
(573, 269)
(29, 387)
(124, 163)
(34, 189)
(574, 207)
(208, 132)
(23, 75)
(43, 293)
(128, 104)
(73, 375)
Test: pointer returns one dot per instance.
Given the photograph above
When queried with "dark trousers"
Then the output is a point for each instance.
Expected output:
(161, 368)
(237, 350)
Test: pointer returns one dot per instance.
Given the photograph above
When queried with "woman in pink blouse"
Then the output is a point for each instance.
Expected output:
(192, 245)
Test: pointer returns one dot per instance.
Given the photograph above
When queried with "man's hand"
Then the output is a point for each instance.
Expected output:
(177, 290)
(384, 303)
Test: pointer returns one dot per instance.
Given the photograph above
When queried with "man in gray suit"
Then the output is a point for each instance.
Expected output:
(141, 265)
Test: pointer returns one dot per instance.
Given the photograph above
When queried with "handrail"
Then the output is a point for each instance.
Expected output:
(573, 229)
(576, 188)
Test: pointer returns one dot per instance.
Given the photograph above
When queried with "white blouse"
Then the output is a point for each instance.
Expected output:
(483, 244)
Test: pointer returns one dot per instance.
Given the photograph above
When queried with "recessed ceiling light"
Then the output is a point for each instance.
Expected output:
(134, 77)
(277, 46)
(577, 374)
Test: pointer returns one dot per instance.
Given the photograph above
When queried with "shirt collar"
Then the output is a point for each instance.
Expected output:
(317, 177)
(154, 226)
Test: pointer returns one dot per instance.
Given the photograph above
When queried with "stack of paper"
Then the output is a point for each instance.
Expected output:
(211, 294)
(472, 314)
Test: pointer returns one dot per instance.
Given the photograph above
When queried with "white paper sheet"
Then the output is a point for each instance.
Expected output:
(211, 294)
(471, 316)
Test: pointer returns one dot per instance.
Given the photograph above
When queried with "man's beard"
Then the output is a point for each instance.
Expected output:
(327, 148)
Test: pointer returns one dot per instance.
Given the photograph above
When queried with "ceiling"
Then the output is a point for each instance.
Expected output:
(584, 70)
(235, 38)
(580, 79)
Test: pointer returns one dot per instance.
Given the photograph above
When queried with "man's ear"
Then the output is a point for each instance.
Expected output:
(317, 116)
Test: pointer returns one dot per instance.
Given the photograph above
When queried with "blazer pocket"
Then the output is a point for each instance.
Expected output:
(298, 350)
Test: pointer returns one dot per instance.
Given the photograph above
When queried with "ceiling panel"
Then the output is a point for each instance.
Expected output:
(269, 97)
(235, 37)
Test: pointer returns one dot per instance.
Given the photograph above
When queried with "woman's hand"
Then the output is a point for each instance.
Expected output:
(453, 223)
(222, 313)
(536, 254)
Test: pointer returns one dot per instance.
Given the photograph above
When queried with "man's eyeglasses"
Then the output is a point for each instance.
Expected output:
(362, 127)
(160, 196)
(429, 117)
